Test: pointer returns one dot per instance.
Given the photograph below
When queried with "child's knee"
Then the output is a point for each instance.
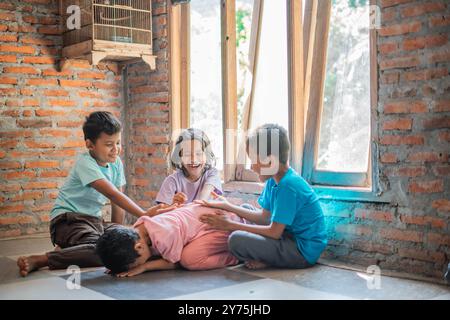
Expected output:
(237, 241)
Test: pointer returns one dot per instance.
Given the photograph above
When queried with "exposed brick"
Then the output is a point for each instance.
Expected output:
(39, 145)
(17, 49)
(91, 75)
(8, 80)
(42, 82)
(40, 185)
(37, 41)
(437, 123)
(353, 229)
(405, 107)
(42, 164)
(398, 29)
(426, 74)
(401, 235)
(55, 93)
(399, 140)
(7, 16)
(12, 208)
(433, 186)
(62, 103)
(444, 136)
(427, 157)
(406, 171)
(389, 158)
(373, 215)
(439, 21)
(75, 83)
(398, 124)
(70, 124)
(439, 239)
(24, 70)
(441, 205)
(34, 123)
(418, 9)
(10, 165)
(424, 255)
(441, 170)
(388, 47)
(8, 58)
(424, 42)
(390, 3)
(19, 175)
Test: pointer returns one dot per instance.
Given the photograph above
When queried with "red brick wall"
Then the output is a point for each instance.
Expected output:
(41, 112)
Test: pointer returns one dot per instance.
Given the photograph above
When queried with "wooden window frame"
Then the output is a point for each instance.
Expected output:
(348, 186)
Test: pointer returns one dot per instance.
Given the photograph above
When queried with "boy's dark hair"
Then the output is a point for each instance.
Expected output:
(98, 122)
(189, 135)
(265, 133)
(116, 248)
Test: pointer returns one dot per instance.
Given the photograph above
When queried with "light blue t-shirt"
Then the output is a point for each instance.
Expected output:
(77, 196)
(294, 203)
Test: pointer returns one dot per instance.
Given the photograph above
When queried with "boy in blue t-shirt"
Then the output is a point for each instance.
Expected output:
(76, 218)
(289, 231)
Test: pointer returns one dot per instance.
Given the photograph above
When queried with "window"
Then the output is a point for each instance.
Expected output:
(341, 95)
(205, 73)
(242, 63)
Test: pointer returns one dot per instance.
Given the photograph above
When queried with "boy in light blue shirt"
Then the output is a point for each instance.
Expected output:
(76, 218)
(289, 231)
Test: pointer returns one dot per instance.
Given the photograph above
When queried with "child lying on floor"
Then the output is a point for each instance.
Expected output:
(162, 242)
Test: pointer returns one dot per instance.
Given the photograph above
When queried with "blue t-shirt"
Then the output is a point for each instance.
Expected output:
(294, 203)
(77, 196)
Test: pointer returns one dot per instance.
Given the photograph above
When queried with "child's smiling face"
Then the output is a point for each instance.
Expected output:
(193, 158)
(106, 148)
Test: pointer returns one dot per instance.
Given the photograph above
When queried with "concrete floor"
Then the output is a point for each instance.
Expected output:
(234, 283)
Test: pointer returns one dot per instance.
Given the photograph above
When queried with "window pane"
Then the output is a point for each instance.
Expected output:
(345, 121)
(270, 100)
(206, 84)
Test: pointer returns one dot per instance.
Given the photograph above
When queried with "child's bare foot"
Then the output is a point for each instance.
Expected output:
(57, 248)
(31, 263)
(255, 265)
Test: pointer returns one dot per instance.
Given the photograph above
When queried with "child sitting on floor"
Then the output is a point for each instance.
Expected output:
(76, 218)
(195, 176)
(174, 237)
(289, 230)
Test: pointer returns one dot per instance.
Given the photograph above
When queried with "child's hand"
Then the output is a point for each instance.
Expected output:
(160, 208)
(219, 220)
(133, 271)
(179, 198)
(219, 202)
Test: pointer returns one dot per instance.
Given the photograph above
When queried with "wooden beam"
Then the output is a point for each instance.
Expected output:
(318, 62)
(229, 87)
(253, 54)
(309, 32)
(185, 30)
(296, 78)
(175, 68)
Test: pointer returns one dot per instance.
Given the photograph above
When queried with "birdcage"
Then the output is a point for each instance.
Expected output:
(118, 30)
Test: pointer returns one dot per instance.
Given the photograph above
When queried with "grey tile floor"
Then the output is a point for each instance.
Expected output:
(234, 283)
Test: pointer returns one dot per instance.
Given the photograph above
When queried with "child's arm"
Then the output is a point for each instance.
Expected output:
(258, 216)
(205, 193)
(117, 213)
(152, 265)
(117, 198)
(221, 222)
